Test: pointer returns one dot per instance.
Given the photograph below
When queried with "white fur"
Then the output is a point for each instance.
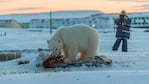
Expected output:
(75, 39)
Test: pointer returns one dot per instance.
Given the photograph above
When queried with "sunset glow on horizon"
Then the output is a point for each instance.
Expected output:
(106, 6)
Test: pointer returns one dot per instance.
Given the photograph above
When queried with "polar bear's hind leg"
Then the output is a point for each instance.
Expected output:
(83, 55)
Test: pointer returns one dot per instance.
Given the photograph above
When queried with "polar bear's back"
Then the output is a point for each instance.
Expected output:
(80, 33)
(79, 30)
(81, 27)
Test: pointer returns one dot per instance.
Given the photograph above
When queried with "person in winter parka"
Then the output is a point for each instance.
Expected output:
(123, 31)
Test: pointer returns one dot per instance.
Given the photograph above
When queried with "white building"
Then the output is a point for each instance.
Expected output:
(103, 20)
(140, 20)
(45, 23)
(39, 23)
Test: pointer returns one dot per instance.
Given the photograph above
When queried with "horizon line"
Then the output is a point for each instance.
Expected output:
(68, 11)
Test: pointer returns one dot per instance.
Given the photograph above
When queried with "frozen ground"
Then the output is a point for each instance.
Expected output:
(127, 68)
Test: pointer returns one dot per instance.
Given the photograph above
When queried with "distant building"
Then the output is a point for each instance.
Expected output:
(140, 20)
(24, 25)
(45, 23)
(102, 20)
(97, 21)
(9, 24)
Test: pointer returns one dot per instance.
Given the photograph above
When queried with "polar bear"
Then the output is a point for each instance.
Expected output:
(79, 39)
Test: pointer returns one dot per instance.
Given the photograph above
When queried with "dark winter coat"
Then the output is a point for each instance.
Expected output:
(123, 27)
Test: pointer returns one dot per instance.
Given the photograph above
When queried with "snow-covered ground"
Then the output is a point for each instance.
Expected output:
(127, 68)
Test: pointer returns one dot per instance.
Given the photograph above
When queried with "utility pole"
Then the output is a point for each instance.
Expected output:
(50, 22)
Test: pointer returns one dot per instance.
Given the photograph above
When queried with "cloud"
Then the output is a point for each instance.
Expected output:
(130, 0)
(143, 7)
(28, 8)
(4, 1)
(7, 0)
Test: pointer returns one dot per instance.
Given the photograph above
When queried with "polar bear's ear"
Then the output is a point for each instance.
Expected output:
(59, 41)
(48, 41)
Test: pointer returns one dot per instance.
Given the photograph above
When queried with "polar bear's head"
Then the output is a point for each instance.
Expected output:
(55, 46)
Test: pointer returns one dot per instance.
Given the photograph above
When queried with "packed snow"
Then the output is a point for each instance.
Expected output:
(127, 68)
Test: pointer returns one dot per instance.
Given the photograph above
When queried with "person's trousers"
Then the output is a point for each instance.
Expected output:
(117, 43)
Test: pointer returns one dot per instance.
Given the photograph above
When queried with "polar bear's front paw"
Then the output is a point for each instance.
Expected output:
(67, 60)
